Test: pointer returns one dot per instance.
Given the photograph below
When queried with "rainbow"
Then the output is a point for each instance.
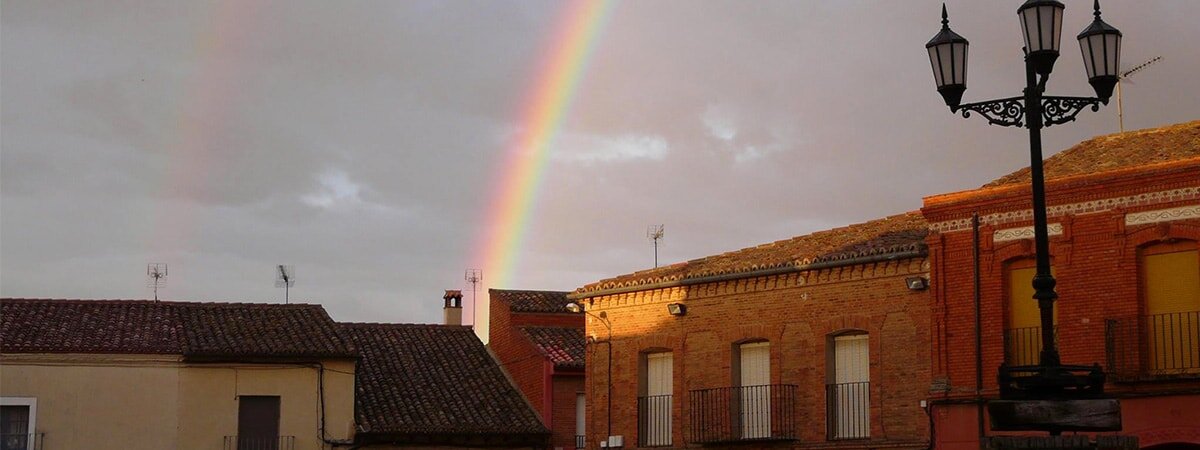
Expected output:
(562, 66)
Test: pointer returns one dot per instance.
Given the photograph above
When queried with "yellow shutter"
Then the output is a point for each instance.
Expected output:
(1023, 334)
(1172, 282)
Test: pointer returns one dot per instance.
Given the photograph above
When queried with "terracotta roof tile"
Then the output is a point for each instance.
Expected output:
(207, 330)
(562, 345)
(895, 234)
(532, 301)
(433, 380)
(1117, 151)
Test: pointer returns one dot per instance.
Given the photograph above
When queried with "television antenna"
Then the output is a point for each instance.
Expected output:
(1121, 78)
(655, 233)
(473, 276)
(156, 277)
(285, 277)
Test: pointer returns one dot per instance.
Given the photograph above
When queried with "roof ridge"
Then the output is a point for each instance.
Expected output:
(400, 325)
(118, 301)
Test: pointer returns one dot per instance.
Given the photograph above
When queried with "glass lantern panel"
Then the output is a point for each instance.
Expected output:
(937, 67)
(1112, 53)
(1057, 27)
(947, 63)
(1089, 56)
(960, 63)
(1048, 19)
(1028, 19)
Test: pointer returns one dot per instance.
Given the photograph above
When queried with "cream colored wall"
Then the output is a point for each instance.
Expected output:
(98, 401)
(157, 402)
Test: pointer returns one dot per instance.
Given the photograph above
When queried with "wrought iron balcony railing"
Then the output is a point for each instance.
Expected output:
(580, 441)
(21, 441)
(260, 442)
(654, 421)
(742, 413)
(1023, 346)
(1154, 346)
(848, 410)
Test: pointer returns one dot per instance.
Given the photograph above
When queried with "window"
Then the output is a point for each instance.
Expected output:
(258, 422)
(848, 392)
(580, 419)
(753, 375)
(18, 423)
(1023, 332)
(654, 405)
(1171, 291)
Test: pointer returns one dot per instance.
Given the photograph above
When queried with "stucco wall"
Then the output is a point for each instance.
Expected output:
(156, 402)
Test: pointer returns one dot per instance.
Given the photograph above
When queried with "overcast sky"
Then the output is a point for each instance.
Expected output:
(359, 140)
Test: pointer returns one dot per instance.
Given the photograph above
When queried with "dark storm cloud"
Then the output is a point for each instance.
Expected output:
(360, 141)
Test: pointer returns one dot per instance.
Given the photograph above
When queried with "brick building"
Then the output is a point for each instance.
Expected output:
(1124, 222)
(815, 341)
(541, 345)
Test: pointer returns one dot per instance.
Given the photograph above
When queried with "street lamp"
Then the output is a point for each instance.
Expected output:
(1041, 24)
(578, 308)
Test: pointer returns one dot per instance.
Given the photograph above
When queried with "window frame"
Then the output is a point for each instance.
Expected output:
(31, 428)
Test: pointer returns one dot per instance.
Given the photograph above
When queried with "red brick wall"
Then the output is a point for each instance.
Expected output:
(797, 313)
(531, 371)
(1095, 261)
(566, 387)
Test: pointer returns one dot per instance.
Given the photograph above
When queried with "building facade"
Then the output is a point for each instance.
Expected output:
(155, 375)
(816, 341)
(540, 344)
(1124, 223)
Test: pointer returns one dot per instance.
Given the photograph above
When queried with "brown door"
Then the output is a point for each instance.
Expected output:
(258, 422)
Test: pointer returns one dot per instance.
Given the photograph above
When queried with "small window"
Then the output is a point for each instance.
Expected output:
(18, 424)
(654, 405)
(258, 422)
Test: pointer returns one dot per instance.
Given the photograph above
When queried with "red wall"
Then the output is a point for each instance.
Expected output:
(1096, 264)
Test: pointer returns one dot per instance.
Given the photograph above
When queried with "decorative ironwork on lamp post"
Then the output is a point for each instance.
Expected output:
(1100, 43)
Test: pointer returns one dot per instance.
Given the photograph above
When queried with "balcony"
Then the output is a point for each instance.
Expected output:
(580, 441)
(654, 421)
(742, 414)
(848, 410)
(260, 442)
(1023, 346)
(1160, 346)
(21, 441)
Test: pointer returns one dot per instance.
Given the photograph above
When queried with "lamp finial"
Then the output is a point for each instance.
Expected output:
(1096, 6)
(946, 18)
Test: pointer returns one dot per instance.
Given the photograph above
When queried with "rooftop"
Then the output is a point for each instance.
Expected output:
(190, 329)
(423, 380)
(901, 233)
(532, 301)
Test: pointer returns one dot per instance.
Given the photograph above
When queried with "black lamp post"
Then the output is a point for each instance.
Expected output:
(1041, 23)
(578, 308)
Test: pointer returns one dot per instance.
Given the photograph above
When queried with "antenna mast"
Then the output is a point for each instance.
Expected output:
(655, 233)
(156, 277)
(285, 277)
(1124, 75)
(473, 276)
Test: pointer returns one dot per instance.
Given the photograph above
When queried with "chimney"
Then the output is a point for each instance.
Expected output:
(453, 307)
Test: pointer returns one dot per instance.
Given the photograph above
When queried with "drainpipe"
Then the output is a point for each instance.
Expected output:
(978, 330)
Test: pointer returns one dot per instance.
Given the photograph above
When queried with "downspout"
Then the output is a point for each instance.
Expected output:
(978, 330)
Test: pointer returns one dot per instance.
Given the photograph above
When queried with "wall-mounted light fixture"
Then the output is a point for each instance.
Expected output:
(916, 283)
(677, 309)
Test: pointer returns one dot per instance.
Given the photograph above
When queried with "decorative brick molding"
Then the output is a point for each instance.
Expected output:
(1093, 206)
(1163, 215)
(1012, 234)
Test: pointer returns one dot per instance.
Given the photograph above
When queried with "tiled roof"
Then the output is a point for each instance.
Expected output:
(200, 330)
(563, 345)
(532, 301)
(433, 380)
(890, 235)
(1117, 151)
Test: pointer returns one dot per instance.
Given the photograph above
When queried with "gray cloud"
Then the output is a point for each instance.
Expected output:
(362, 141)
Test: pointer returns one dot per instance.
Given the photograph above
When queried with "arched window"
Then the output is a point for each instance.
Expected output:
(1023, 324)
(1170, 275)
(848, 388)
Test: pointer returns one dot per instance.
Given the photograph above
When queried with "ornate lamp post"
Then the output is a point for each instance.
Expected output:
(1041, 24)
